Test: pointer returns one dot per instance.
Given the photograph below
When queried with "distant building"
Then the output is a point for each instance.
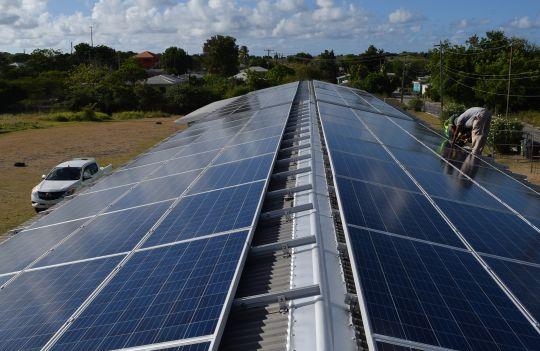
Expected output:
(421, 85)
(17, 64)
(164, 80)
(147, 59)
(243, 73)
(344, 79)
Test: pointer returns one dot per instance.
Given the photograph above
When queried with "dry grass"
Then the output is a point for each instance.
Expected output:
(41, 149)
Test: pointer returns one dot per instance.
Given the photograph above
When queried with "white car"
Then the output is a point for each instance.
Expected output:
(64, 180)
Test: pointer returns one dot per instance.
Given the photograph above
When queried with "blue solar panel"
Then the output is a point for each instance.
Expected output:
(36, 304)
(185, 163)
(156, 190)
(456, 187)
(169, 144)
(494, 232)
(393, 210)
(372, 170)
(383, 346)
(83, 205)
(522, 279)
(241, 151)
(435, 295)
(5, 278)
(25, 247)
(123, 177)
(168, 293)
(107, 234)
(257, 134)
(207, 213)
(234, 173)
(153, 157)
(197, 148)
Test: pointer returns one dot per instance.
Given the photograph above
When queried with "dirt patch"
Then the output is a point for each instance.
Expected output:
(42, 149)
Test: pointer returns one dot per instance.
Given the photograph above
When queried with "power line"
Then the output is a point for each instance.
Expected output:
(490, 75)
(492, 93)
(463, 74)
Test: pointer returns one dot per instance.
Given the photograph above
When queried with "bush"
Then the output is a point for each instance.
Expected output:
(453, 108)
(129, 115)
(416, 104)
(505, 134)
(139, 115)
(86, 115)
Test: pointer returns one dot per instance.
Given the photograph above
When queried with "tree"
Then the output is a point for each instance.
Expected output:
(328, 65)
(10, 94)
(279, 73)
(300, 57)
(221, 55)
(129, 72)
(243, 55)
(373, 58)
(176, 61)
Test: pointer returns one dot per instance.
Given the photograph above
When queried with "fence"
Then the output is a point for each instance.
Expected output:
(520, 150)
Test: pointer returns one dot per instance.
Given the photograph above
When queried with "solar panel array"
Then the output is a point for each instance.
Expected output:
(150, 254)
(445, 248)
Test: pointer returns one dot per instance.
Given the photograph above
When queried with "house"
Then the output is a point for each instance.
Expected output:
(17, 64)
(421, 85)
(164, 80)
(147, 59)
(243, 73)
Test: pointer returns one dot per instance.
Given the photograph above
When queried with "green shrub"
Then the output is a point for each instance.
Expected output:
(139, 114)
(505, 134)
(453, 108)
(416, 104)
(129, 115)
(86, 115)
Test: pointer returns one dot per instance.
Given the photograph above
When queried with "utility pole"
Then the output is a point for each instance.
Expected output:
(509, 75)
(268, 51)
(92, 36)
(441, 82)
(402, 81)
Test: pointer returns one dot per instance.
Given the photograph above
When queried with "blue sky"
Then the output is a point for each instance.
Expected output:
(287, 26)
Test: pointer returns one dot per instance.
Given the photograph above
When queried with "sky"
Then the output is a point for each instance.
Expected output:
(286, 26)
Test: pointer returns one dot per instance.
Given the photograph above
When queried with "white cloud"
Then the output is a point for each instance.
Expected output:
(525, 23)
(157, 24)
(402, 15)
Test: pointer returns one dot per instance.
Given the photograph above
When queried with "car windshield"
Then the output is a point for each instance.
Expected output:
(65, 173)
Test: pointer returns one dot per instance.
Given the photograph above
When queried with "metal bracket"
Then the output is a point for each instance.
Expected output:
(283, 306)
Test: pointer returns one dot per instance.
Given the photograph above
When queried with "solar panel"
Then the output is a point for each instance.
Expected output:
(36, 304)
(210, 212)
(175, 293)
(82, 206)
(435, 295)
(25, 247)
(494, 232)
(167, 293)
(393, 210)
(155, 190)
(255, 148)
(234, 173)
(416, 279)
(107, 234)
(523, 279)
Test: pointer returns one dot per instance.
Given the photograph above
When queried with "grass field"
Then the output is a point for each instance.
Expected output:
(114, 142)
